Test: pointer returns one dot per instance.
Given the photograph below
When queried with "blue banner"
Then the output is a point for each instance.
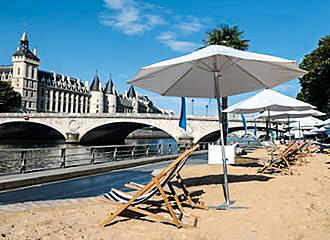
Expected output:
(183, 118)
(244, 123)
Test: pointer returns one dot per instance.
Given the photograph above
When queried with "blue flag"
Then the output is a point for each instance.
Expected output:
(244, 123)
(255, 127)
(183, 118)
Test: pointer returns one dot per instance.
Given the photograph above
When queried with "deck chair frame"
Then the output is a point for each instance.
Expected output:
(157, 183)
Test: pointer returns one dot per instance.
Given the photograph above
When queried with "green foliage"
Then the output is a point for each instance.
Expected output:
(9, 99)
(315, 86)
(230, 37)
(226, 36)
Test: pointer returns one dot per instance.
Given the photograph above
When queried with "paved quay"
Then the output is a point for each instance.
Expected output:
(81, 188)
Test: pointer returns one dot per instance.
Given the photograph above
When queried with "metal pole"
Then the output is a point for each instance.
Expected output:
(227, 202)
(289, 128)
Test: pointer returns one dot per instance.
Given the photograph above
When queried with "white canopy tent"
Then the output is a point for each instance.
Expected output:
(213, 72)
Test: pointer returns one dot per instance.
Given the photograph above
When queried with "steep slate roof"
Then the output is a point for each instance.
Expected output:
(24, 49)
(95, 86)
(27, 53)
(109, 87)
(131, 92)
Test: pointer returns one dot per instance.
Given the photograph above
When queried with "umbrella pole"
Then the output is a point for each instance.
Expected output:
(227, 202)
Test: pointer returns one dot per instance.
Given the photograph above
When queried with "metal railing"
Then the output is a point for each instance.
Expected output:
(14, 161)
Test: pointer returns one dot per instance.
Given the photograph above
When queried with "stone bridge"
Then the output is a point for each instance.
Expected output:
(110, 128)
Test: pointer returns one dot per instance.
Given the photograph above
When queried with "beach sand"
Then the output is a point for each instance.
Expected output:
(277, 207)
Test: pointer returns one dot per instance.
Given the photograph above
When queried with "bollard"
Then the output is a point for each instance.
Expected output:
(23, 162)
(132, 153)
(63, 155)
(147, 150)
(92, 156)
(169, 149)
(159, 152)
(114, 154)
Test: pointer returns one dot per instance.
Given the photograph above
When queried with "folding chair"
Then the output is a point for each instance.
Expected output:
(156, 185)
(281, 163)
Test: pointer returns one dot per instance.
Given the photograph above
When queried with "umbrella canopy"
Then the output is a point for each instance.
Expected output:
(306, 123)
(268, 100)
(213, 72)
(327, 121)
(290, 114)
(192, 75)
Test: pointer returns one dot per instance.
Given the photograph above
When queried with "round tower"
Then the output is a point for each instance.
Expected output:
(110, 97)
(132, 96)
(97, 96)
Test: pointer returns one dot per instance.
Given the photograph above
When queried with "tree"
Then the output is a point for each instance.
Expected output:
(315, 86)
(9, 99)
(230, 37)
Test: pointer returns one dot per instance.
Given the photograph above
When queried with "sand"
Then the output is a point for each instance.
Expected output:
(276, 207)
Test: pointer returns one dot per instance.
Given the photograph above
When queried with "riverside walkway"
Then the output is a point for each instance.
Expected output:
(83, 187)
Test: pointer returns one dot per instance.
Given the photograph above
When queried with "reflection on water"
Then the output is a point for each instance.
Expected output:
(48, 155)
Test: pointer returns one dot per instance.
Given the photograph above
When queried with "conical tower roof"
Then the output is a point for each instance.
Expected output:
(95, 86)
(109, 87)
(131, 92)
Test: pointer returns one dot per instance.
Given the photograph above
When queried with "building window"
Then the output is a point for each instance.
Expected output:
(30, 104)
(42, 92)
(18, 71)
(97, 106)
(26, 93)
(27, 83)
(97, 111)
(31, 94)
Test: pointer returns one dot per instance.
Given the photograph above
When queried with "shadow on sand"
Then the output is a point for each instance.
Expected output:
(218, 179)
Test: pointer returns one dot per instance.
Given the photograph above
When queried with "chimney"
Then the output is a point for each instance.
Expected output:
(35, 51)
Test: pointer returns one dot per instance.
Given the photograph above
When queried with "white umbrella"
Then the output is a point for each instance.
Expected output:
(327, 121)
(268, 100)
(275, 115)
(290, 114)
(306, 122)
(216, 71)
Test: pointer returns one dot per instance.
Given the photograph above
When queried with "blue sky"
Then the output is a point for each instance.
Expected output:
(76, 37)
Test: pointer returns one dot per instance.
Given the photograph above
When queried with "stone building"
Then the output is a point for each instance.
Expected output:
(45, 91)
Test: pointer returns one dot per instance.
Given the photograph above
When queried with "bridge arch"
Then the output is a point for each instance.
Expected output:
(116, 132)
(212, 136)
(29, 130)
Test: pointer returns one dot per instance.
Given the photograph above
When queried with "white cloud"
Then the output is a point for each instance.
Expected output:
(130, 17)
(192, 24)
(169, 39)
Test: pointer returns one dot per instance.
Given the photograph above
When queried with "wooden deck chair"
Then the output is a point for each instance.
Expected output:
(184, 198)
(297, 154)
(322, 147)
(156, 185)
(281, 162)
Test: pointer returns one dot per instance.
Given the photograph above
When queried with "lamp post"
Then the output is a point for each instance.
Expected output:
(192, 106)
(206, 109)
